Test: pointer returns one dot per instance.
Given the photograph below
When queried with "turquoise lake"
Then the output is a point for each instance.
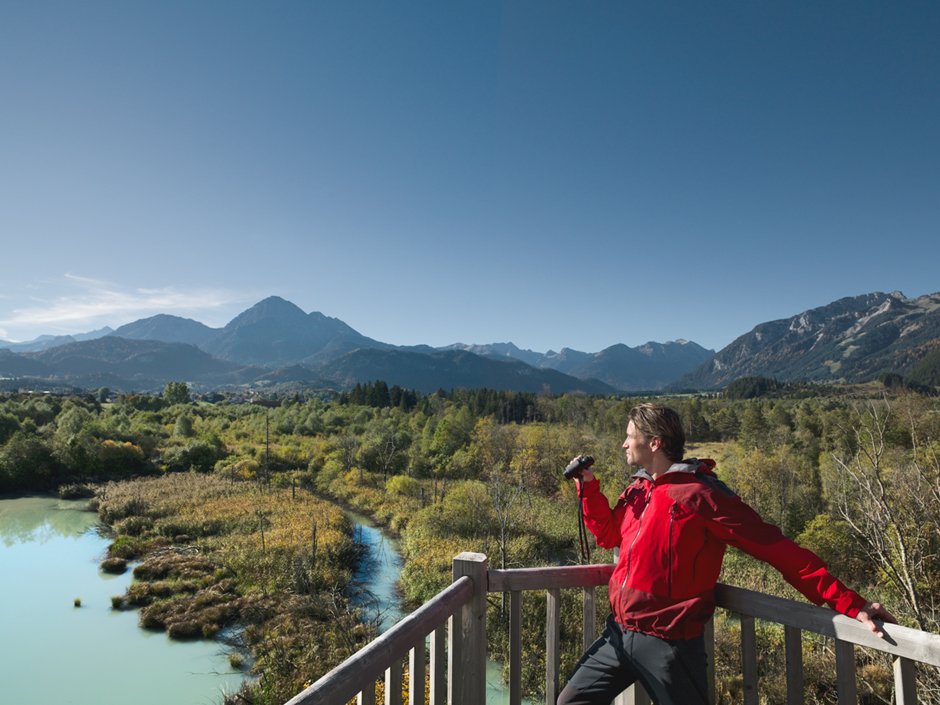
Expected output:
(54, 652)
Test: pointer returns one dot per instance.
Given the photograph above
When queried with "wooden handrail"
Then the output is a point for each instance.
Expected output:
(550, 577)
(369, 663)
(898, 641)
(461, 603)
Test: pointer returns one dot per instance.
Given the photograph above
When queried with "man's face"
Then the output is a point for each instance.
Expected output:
(637, 446)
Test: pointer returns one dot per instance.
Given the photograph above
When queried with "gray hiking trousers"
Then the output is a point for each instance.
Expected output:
(673, 672)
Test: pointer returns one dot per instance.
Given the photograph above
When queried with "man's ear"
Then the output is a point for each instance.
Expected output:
(656, 443)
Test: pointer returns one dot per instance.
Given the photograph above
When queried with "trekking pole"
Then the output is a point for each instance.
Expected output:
(575, 469)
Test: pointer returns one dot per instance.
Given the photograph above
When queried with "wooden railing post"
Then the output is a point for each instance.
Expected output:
(515, 647)
(709, 638)
(552, 644)
(847, 690)
(905, 684)
(416, 674)
(793, 641)
(749, 659)
(367, 696)
(438, 667)
(393, 681)
(588, 617)
(467, 637)
(634, 695)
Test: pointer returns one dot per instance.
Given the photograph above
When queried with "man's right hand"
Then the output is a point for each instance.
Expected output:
(586, 476)
(580, 467)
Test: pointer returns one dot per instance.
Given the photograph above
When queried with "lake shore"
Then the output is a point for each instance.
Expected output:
(98, 656)
(215, 553)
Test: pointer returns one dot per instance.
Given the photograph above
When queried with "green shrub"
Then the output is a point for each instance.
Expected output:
(133, 525)
(129, 547)
(76, 491)
(404, 486)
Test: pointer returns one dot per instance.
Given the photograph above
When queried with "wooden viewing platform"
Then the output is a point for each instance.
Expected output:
(458, 667)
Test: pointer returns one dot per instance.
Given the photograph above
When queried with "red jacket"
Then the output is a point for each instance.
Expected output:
(672, 534)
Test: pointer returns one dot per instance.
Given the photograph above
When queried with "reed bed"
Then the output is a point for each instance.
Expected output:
(265, 568)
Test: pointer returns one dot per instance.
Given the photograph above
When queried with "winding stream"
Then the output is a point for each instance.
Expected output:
(378, 574)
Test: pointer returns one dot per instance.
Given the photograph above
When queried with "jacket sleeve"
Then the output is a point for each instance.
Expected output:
(599, 518)
(738, 525)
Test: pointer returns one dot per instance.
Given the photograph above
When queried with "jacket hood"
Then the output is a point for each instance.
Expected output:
(689, 466)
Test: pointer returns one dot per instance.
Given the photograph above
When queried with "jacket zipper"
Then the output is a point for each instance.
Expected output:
(649, 496)
(672, 520)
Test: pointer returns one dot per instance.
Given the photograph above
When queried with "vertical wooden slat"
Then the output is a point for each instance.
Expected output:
(845, 673)
(622, 698)
(515, 647)
(588, 617)
(793, 642)
(438, 667)
(393, 680)
(749, 659)
(634, 695)
(552, 648)
(455, 649)
(416, 672)
(905, 684)
(367, 696)
(709, 638)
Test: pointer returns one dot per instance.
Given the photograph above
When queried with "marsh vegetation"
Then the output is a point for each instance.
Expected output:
(225, 527)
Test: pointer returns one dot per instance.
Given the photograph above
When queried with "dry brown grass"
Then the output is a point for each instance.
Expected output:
(216, 553)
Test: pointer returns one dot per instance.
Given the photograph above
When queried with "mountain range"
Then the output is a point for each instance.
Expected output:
(853, 339)
(647, 367)
(276, 344)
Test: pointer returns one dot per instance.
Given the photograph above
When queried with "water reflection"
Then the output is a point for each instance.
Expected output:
(374, 585)
(54, 652)
(41, 519)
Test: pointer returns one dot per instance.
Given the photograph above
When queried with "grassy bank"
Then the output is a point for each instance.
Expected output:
(213, 554)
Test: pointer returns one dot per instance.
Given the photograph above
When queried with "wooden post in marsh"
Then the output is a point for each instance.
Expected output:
(467, 637)
(313, 543)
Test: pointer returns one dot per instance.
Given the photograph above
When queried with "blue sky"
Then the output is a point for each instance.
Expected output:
(548, 173)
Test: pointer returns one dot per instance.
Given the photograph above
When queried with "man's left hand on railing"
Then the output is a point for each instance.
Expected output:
(872, 611)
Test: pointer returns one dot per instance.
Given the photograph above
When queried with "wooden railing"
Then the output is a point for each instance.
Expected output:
(459, 612)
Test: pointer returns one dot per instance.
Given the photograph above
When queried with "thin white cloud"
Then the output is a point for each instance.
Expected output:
(93, 303)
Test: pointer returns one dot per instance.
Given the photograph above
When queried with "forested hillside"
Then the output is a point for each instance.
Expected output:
(851, 473)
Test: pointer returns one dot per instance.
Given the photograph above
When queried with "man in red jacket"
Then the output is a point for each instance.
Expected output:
(672, 525)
